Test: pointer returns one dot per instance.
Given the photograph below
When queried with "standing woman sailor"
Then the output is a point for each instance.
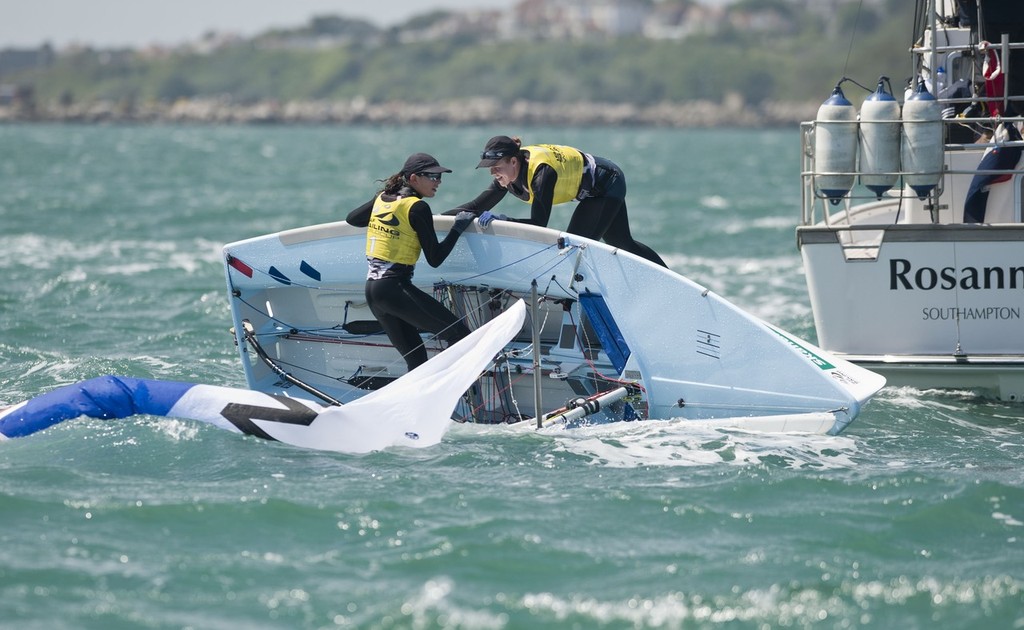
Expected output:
(545, 175)
(400, 226)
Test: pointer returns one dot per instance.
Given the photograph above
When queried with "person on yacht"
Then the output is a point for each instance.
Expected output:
(545, 175)
(400, 226)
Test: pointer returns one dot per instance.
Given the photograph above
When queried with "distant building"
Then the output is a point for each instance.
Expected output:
(679, 19)
(8, 92)
(13, 60)
(575, 19)
(19, 97)
(473, 25)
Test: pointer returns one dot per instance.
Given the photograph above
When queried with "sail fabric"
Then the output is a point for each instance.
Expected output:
(415, 410)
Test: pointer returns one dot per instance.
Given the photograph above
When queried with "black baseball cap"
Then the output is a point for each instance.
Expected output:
(423, 163)
(497, 148)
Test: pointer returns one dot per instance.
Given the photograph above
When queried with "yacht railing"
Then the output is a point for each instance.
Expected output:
(964, 132)
(818, 208)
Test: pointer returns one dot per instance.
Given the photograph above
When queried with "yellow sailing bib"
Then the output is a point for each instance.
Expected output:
(390, 236)
(567, 162)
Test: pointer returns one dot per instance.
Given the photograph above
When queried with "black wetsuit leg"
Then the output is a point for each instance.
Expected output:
(403, 310)
(606, 218)
(603, 216)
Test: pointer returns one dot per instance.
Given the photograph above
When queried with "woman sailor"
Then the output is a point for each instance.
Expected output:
(399, 226)
(544, 175)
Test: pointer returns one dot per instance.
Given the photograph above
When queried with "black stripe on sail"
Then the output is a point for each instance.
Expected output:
(243, 416)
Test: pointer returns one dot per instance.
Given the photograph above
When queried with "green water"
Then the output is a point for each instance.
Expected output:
(110, 246)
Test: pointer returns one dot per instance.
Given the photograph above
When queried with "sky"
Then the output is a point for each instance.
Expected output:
(134, 23)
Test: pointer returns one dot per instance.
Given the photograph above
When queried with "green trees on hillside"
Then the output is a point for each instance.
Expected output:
(796, 66)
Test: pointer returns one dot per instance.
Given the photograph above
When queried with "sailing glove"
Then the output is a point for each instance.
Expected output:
(487, 216)
(462, 221)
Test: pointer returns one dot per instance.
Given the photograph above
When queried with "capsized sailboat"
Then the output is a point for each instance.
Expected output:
(607, 333)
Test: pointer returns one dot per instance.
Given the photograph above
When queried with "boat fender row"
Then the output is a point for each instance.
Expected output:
(888, 141)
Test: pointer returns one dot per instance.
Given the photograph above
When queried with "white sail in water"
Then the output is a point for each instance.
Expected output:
(414, 410)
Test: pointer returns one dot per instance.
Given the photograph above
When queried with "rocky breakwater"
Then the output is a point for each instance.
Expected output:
(730, 113)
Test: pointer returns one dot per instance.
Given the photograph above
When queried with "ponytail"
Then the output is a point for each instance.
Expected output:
(393, 184)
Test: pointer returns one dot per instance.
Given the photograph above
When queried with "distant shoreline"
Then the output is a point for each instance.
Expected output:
(692, 114)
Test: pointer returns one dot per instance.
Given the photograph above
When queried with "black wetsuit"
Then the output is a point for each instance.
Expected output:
(401, 308)
(601, 215)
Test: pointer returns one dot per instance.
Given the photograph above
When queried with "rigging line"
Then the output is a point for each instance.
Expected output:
(516, 262)
(497, 391)
(331, 377)
(269, 361)
(958, 351)
(853, 36)
(569, 291)
(917, 27)
(294, 283)
(584, 341)
(469, 311)
(511, 390)
(283, 323)
(475, 309)
(564, 254)
(505, 355)
(435, 338)
(393, 363)
(261, 311)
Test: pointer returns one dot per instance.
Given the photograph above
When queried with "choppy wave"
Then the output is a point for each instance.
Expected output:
(680, 443)
(111, 239)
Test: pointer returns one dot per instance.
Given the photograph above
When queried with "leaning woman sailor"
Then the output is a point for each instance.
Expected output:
(400, 226)
(544, 175)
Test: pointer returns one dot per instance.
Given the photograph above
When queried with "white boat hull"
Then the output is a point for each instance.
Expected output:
(938, 306)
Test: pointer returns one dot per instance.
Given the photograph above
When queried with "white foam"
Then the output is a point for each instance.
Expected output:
(683, 443)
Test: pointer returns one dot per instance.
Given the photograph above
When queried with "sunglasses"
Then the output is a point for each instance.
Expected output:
(434, 177)
(495, 155)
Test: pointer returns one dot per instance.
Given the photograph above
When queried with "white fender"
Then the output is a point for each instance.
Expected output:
(879, 141)
(921, 142)
(835, 147)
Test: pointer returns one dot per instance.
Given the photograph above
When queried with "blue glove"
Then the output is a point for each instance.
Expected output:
(488, 216)
(462, 221)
